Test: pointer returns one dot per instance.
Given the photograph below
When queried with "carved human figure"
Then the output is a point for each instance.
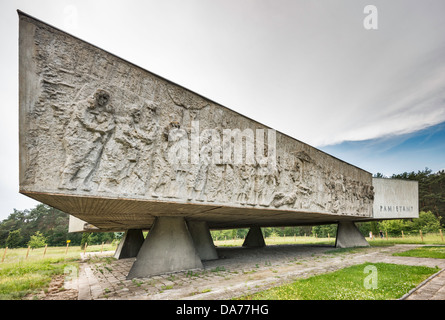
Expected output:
(127, 155)
(229, 183)
(246, 190)
(205, 160)
(178, 158)
(90, 127)
(162, 166)
(261, 182)
(215, 183)
(146, 131)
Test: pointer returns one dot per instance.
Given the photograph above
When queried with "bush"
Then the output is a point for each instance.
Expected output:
(324, 230)
(37, 240)
(14, 239)
(427, 222)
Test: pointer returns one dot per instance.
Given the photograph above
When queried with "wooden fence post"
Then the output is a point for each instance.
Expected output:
(4, 254)
(44, 252)
(27, 252)
(421, 235)
(403, 236)
(67, 245)
(441, 235)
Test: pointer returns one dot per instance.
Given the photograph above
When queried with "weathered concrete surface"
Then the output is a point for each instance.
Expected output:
(395, 199)
(168, 247)
(130, 244)
(254, 238)
(349, 236)
(117, 146)
(202, 239)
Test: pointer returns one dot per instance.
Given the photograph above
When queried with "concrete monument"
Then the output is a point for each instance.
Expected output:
(120, 148)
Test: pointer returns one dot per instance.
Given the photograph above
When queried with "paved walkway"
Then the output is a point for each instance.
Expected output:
(242, 271)
(431, 289)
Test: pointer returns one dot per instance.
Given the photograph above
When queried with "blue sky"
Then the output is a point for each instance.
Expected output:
(395, 153)
(307, 68)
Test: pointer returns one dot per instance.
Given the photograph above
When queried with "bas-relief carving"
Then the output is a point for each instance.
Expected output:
(102, 126)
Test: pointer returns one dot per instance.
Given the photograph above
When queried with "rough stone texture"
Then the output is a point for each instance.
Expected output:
(117, 146)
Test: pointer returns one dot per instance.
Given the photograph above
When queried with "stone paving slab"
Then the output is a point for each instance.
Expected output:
(432, 289)
(243, 271)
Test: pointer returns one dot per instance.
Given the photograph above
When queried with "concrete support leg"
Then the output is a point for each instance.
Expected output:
(130, 244)
(167, 248)
(202, 239)
(254, 238)
(349, 236)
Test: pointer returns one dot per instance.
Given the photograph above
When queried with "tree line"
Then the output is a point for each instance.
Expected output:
(47, 225)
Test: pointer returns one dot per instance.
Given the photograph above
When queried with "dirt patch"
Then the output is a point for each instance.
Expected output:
(55, 291)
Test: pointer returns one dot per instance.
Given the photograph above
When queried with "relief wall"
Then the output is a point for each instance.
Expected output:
(100, 126)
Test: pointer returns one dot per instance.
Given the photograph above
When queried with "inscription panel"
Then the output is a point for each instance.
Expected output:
(395, 199)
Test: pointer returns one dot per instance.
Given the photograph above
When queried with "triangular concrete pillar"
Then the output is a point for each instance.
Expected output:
(130, 244)
(167, 248)
(202, 239)
(349, 236)
(254, 238)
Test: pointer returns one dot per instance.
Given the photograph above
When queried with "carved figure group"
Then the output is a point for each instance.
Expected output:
(134, 154)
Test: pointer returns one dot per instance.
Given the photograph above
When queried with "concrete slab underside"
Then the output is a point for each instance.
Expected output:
(110, 214)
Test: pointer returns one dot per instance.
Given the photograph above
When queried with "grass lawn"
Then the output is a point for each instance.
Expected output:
(353, 283)
(431, 238)
(437, 252)
(21, 278)
(21, 275)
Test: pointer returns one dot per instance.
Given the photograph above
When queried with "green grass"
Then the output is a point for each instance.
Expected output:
(309, 240)
(430, 238)
(393, 281)
(437, 252)
(21, 275)
(21, 278)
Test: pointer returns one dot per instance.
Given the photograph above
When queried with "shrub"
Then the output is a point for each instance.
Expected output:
(14, 239)
(37, 240)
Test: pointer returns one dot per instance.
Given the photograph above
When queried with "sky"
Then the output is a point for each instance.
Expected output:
(364, 86)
